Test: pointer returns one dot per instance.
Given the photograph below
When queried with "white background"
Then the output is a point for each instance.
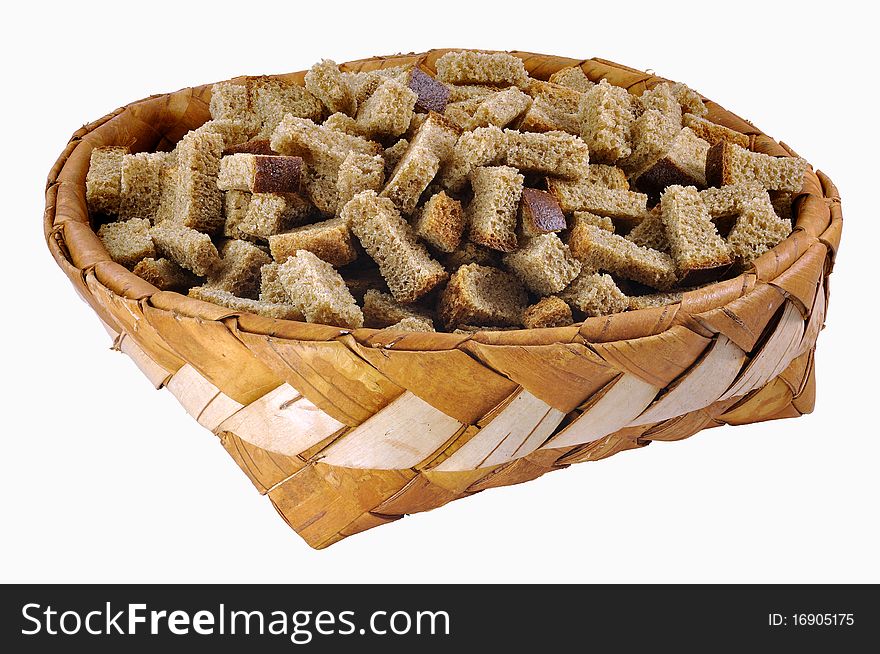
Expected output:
(106, 480)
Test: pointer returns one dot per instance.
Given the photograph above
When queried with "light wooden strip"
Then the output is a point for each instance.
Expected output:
(699, 387)
(192, 390)
(218, 410)
(401, 435)
(519, 429)
(157, 375)
(281, 421)
(816, 321)
(619, 405)
(780, 349)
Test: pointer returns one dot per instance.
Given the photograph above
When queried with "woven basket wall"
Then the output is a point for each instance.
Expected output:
(348, 430)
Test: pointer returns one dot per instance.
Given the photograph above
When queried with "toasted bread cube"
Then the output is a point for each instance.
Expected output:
(239, 269)
(388, 111)
(493, 211)
(235, 209)
(440, 222)
(319, 292)
(413, 324)
(543, 115)
(683, 164)
(713, 133)
(432, 94)
(127, 242)
(245, 305)
(318, 144)
(272, 99)
(408, 269)
(359, 172)
(581, 195)
(469, 252)
(482, 295)
(251, 146)
(539, 213)
(652, 135)
(364, 83)
(552, 153)
(550, 311)
(411, 177)
(231, 101)
(662, 98)
(271, 288)
(462, 113)
(654, 300)
(607, 116)
(462, 92)
(330, 240)
(728, 163)
(165, 275)
(233, 132)
(393, 154)
(272, 213)
(104, 180)
(572, 77)
(690, 100)
(259, 173)
(594, 294)
(607, 176)
(502, 108)
(325, 81)
(650, 233)
(196, 201)
(345, 123)
(694, 242)
(382, 310)
(141, 177)
(544, 264)
(485, 146)
(468, 67)
(756, 227)
(599, 249)
(437, 134)
(185, 246)
(602, 222)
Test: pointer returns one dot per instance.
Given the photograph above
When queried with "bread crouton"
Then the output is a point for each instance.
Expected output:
(319, 292)
(492, 213)
(550, 311)
(127, 242)
(482, 295)
(330, 240)
(468, 67)
(544, 264)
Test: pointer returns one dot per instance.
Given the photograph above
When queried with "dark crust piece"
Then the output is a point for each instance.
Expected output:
(700, 276)
(254, 146)
(165, 275)
(542, 210)
(433, 95)
(662, 174)
(718, 164)
(277, 174)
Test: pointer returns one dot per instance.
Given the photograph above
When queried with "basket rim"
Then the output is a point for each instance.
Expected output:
(73, 242)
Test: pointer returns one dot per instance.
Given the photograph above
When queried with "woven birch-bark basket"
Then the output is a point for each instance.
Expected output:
(348, 430)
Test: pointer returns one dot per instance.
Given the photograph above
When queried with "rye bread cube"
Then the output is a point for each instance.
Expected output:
(187, 247)
(329, 240)
(432, 95)
(239, 269)
(440, 222)
(128, 242)
(319, 292)
(103, 180)
(728, 163)
(594, 294)
(550, 311)
(405, 264)
(544, 264)
(165, 275)
(492, 213)
(480, 295)
(259, 173)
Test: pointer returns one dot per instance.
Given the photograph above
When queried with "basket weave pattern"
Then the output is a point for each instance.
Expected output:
(347, 430)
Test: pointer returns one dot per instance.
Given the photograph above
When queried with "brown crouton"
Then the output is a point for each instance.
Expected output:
(712, 133)
(325, 81)
(191, 249)
(482, 295)
(594, 294)
(544, 264)
(319, 292)
(550, 311)
(727, 163)
(165, 275)
(103, 181)
(468, 67)
(259, 173)
(493, 211)
(239, 269)
(330, 240)
(440, 222)
(128, 242)
(539, 213)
